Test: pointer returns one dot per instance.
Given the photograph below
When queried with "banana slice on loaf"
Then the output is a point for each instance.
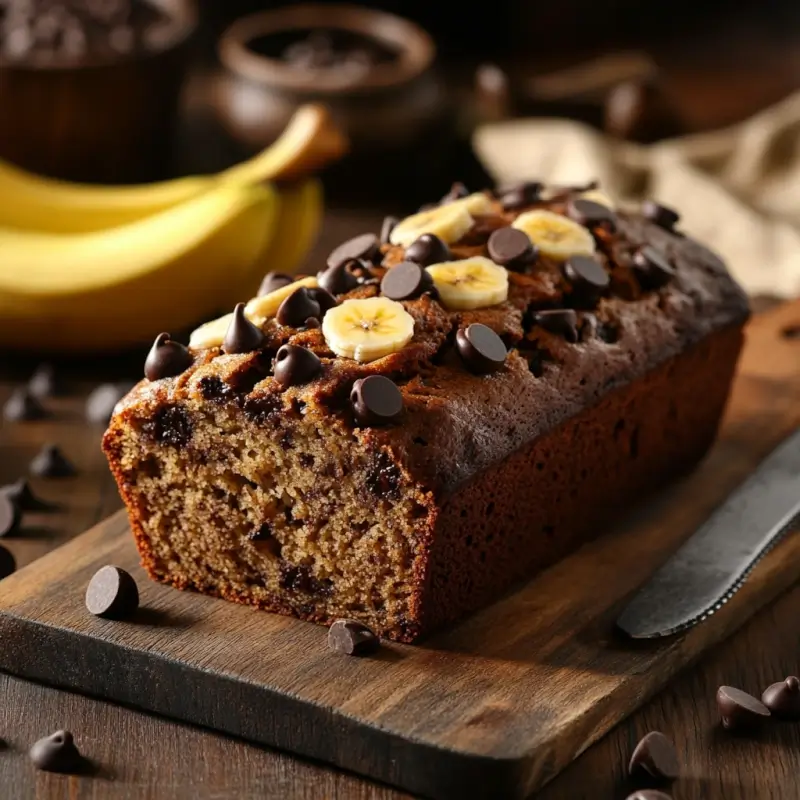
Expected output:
(475, 282)
(555, 235)
(367, 329)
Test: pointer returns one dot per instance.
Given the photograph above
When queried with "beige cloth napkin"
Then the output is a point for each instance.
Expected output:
(738, 189)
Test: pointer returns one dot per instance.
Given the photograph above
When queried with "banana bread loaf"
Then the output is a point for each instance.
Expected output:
(436, 414)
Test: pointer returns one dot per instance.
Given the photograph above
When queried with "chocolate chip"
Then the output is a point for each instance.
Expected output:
(457, 191)
(405, 281)
(428, 249)
(656, 755)
(44, 382)
(352, 638)
(662, 216)
(166, 359)
(242, 335)
(102, 401)
(297, 308)
(652, 267)
(112, 593)
(57, 753)
(295, 365)
(376, 400)
(783, 699)
(387, 227)
(7, 563)
(365, 246)
(22, 406)
(520, 195)
(273, 281)
(325, 299)
(382, 476)
(649, 794)
(587, 277)
(50, 462)
(591, 214)
(511, 247)
(563, 321)
(339, 279)
(481, 349)
(739, 710)
(9, 515)
(23, 497)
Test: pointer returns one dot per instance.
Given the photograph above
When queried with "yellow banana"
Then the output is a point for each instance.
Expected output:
(31, 202)
(101, 291)
(297, 225)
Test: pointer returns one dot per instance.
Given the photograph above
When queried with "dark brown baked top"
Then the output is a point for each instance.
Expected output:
(454, 422)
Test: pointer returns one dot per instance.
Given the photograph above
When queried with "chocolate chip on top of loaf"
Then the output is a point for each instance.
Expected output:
(434, 414)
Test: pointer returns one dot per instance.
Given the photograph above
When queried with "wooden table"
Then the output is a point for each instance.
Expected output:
(140, 756)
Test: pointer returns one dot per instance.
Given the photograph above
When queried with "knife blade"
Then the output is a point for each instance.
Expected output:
(713, 564)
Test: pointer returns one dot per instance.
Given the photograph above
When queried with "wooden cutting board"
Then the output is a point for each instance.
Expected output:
(492, 708)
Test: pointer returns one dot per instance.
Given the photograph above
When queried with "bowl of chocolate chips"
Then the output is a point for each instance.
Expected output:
(90, 88)
(374, 70)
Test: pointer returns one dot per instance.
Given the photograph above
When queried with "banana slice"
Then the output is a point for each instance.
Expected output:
(367, 329)
(597, 196)
(556, 236)
(473, 282)
(477, 204)
(211, 334)
(449, 222)
(260, 309)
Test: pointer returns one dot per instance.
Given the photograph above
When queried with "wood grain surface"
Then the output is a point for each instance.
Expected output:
(508, 697)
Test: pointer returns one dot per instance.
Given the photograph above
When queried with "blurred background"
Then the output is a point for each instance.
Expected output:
(132, 94)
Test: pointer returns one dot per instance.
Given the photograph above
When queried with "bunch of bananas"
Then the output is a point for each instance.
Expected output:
(92, 268)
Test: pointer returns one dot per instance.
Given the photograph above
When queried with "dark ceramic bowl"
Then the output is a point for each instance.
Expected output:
(390, 108)
(98, 119)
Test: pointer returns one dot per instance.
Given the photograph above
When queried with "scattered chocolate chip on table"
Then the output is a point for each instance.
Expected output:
(23, 406)
(656, 755)
(739, 710)
(25, 498)
(352, 638)
(10, 515)
(7, 563)
(50, 462)
(783, 699)
(57, 753)
(44, 382)
(112, 593)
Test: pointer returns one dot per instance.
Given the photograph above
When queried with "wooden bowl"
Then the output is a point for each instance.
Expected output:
(104, 120)
(395, 106)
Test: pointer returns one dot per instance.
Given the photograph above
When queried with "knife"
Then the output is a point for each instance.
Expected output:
(714, 563)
